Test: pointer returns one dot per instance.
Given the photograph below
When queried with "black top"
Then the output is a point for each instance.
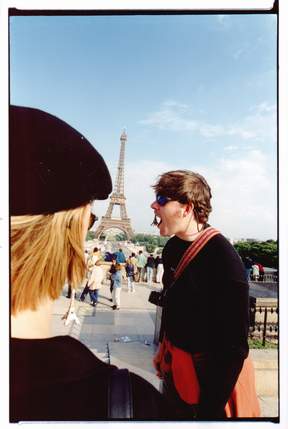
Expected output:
(207, 311)
(60, 379)
(150, 262)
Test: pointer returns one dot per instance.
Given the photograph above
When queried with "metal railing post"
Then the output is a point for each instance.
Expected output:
(265, 326)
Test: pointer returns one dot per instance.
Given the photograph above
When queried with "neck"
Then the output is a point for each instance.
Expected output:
(33, 324)
(191, 232)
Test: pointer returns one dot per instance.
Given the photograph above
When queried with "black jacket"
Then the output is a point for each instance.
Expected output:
(60, 379)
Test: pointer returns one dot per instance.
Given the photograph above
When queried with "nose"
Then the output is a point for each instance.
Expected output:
(154, 205)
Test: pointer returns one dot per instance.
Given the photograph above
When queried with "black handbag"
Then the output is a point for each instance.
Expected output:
(157, 298)
(120, 399)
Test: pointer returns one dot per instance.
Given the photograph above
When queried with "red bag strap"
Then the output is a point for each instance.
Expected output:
(195, 248)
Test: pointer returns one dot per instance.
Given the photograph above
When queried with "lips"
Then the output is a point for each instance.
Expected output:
(157, 221)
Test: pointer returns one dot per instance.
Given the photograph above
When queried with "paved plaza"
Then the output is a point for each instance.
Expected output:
(125, 338)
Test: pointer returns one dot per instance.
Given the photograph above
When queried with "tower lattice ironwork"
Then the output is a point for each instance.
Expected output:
(117, 198)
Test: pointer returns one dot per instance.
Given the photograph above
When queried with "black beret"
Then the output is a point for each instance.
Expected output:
(52, 166)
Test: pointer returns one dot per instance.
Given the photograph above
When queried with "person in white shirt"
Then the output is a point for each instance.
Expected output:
(95, 282)
(255, 272)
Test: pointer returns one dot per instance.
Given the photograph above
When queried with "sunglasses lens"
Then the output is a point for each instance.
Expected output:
(161, 200)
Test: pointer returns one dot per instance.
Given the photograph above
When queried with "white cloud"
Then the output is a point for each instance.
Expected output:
(259, 124)
(263, 107)
(244, 194)
(231, 148)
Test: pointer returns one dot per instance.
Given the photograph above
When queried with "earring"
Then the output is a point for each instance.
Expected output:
(70, 315)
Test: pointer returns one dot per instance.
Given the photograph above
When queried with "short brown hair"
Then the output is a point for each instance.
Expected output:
(186, 187)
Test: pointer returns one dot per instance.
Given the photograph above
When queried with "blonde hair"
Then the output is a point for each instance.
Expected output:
(46, 250)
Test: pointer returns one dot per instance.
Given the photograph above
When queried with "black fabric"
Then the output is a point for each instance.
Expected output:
(217, 375)
(207, 312)
(59, 379)
(120, 398)
(52, 166)
(150, 262)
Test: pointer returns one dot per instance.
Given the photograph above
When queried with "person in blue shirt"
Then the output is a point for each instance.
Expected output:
(120, 257)
(117, 285)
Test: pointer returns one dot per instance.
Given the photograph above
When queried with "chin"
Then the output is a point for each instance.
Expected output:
(164, 232)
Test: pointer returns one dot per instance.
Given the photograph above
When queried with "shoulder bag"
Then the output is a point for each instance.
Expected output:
(120, 401)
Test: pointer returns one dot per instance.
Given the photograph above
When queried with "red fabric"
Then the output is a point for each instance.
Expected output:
(243, 401)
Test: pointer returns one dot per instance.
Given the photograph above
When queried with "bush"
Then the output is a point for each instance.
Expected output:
(257, 344)
(264, 252)
(151, 242)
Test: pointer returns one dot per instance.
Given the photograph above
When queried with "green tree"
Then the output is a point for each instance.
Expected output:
(120, 237)
(150, 241)
(90, 235)
(264, 252)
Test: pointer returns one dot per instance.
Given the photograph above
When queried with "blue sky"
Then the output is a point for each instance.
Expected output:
(195, 92)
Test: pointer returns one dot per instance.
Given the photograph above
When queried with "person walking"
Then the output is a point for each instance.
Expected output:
(95, 282)
(134, 262)
(112, 271)
(55, 174)
(150, 265)
(120, 257)
(90, 262)
(141, 262)
(129, 267)
(203, 358)
(159, 269)
(117, 286)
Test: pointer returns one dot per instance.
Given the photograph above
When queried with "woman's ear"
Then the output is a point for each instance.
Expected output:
(188, 209)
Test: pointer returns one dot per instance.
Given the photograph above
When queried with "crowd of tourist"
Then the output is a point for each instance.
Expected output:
(131, 269)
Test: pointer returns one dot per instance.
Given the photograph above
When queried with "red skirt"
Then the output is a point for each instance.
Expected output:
(243, 401)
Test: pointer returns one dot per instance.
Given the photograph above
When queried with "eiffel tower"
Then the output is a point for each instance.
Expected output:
(117, 198)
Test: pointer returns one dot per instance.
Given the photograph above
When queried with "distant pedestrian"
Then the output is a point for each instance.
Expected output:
(96, 254)
(120, 257)
(90, 262)
(255, 272)
(150, 265)
(95, 282)
(261, 272)
(134, 262)
(117, 285)
(112, 271)
(247, 261)
(159, 269)
(129, 267)
(141, 262)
